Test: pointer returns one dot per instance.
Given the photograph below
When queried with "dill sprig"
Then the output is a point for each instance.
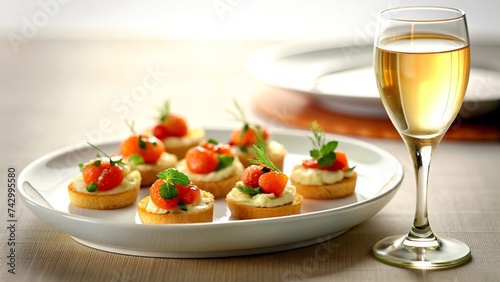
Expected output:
(239, 114)
(261, 155)
(164, 111)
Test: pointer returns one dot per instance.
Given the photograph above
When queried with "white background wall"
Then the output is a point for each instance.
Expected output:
(216, 19)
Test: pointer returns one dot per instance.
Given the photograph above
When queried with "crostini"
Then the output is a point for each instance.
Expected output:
(326, 175)
(263, 191)
(146, 154)
(174, 199)
(105, 183)
(212, 166)
(175, 133)
(243, 139)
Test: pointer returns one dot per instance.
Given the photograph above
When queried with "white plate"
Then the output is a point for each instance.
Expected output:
(340, 77)
(43, 188)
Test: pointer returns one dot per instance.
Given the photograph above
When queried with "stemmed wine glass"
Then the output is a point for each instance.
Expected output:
(422, 63)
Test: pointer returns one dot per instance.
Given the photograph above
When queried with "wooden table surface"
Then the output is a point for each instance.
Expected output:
(56, 93)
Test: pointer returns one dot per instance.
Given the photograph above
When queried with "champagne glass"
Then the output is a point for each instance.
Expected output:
(422, 63)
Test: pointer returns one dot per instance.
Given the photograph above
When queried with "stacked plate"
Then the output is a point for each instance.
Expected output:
(340, 76)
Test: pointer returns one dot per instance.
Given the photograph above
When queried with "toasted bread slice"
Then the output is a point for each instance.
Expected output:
(240, 211)
(203, 215)
(219, 188)
(103, 202)
(340, 189)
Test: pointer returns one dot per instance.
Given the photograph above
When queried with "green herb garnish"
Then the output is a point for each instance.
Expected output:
(165, 111)
(172, 177)
(131, 125)
(261, 155)
(240, 116)
(182, 205)
(111, 161)
(224, 161)
(248, 190)
(135, 160)
(92, 187)
(350, 169)
(323, 152)
(142, 143)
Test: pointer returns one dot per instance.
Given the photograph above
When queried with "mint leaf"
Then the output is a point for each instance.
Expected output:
(174, 176)
(329, 147)
(315, 153)
(135, 159)
(327, 160)
(323, 152)
(224, 161)
(168, 191)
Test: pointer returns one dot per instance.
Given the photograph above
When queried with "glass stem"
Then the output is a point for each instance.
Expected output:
(421, 234)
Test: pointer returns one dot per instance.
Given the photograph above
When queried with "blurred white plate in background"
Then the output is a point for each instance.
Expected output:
(340, 77)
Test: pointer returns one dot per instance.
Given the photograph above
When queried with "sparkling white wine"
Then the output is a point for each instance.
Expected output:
(422, 82)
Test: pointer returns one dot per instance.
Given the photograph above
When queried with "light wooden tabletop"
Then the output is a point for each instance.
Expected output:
(56, 93)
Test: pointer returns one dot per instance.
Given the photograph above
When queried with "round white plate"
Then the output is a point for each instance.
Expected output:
(43, 188)
(340, 77)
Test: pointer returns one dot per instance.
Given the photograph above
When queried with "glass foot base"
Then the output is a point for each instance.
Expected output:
(449, 253)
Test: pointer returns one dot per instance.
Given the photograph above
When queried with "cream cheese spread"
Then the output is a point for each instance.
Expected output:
(166, 160)
(129, 182)
(262, 200)
(272, 148)
(194, 136)
(310, 176)
(202, 204)
(235, 168)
